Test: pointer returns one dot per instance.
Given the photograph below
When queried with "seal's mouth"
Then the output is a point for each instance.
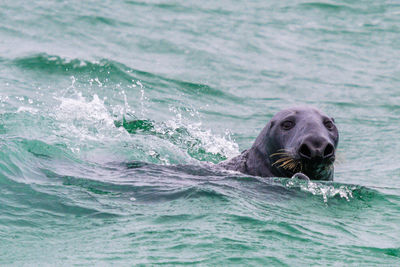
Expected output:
(315, 168)
(318, 170)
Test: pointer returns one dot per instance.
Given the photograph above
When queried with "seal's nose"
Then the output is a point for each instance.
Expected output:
(316, 147)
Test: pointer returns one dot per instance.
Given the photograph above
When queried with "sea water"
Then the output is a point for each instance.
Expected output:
(112, 114)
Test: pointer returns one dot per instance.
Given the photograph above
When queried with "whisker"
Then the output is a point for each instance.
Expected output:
(286, 163)
(291, 165)
(279, 153)
(288, 166)
(283, 159)
(282, 149)
(280, 160)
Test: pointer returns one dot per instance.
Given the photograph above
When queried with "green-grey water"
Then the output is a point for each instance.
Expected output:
(112, 114)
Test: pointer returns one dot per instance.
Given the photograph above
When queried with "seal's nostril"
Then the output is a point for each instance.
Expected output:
(328, 152)
(305, 151)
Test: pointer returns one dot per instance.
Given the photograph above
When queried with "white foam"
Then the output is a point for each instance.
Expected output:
(27, 109)
(89, 119)
(326, 191)
(212, 143)
(86, 119)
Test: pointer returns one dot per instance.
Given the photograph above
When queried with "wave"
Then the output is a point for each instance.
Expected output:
(109, 71)
(335, 8)
(68, 66)
(146, 181)
(180, 8)
(334, 193)
(135, 186)
(325, 6)
(393, 252)
(99, 109)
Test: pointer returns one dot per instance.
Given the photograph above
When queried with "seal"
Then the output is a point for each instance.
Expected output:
(298, 142)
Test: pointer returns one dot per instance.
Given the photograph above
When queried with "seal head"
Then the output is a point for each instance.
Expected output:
(296, 140)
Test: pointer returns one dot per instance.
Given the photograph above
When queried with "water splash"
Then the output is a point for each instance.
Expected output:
(320, 189)
(199, 138)
(92, 119)
(86, 120)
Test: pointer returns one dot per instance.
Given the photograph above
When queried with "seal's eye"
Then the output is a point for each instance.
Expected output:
(328, 125)
(287, 125)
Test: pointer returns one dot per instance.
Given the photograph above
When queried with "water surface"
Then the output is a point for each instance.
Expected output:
(112, 114)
